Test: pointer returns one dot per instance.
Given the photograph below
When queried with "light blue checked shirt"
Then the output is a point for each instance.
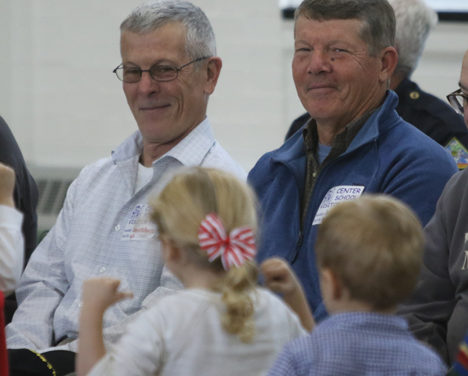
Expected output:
(357, 343)
(101, 232)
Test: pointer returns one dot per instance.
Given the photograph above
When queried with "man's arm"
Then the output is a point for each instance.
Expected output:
(42, 287)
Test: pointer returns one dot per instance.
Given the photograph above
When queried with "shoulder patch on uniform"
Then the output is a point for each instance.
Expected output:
(458, 152)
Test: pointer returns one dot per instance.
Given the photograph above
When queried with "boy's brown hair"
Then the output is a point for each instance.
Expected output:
(374, 247)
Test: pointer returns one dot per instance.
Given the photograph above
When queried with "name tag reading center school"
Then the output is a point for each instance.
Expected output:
(334, 196)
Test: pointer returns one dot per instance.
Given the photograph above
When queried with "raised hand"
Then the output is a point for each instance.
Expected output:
(100, 293)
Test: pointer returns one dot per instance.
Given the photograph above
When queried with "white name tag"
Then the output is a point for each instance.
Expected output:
(139, 225)
(334, 196)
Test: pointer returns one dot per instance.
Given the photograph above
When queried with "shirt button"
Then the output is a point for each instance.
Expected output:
(117, 227)
(102, 269)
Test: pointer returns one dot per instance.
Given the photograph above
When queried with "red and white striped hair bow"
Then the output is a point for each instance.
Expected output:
(234, 249)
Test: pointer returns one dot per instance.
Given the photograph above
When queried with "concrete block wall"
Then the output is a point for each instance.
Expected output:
(67, 109)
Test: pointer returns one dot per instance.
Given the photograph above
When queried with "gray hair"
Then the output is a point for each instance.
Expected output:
(414, 21)
(151, 15)
(378, 19)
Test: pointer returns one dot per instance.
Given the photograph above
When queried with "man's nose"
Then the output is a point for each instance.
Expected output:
(147, 84)
(319, 61)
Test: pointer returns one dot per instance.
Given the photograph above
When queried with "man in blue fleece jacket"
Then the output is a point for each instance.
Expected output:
(355, 142)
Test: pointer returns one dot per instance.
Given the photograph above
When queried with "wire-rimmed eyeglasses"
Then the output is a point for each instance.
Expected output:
(131, 74)
(458, 100)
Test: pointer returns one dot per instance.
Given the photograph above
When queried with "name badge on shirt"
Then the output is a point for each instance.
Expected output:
(139, 225)
(335, 195)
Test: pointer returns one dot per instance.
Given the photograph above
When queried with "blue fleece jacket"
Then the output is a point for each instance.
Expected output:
(387, 156)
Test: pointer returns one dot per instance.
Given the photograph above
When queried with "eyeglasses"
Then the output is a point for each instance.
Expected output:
(159, 72)
(458, 100)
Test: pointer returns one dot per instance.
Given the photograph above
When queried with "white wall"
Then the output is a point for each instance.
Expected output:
(67, 109)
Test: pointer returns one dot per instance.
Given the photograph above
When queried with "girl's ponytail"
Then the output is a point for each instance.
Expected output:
(236, 295)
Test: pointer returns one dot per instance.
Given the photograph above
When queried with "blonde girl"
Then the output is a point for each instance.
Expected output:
(222, 323)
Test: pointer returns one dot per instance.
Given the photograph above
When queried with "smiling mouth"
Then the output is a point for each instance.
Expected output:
(320, 90)
(153, 108)
(320, 87)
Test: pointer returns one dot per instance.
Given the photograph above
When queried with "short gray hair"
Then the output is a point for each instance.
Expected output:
(151, 15)
(414, 21)
(377, 16)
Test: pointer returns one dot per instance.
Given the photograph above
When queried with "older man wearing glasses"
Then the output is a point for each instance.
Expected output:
(169, 69)
(438, 310)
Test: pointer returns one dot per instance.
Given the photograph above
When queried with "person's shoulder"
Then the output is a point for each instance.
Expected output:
(435, 106)
(304, 348)
(291, 149)
(128, 148)
(456, 186)
(219, 158)
(89, 176)
(411, 140)
(264, 296)
(426, 107)
(297, 124)
(427, 358)
(5, 129)
(272, 309)
(95, 168)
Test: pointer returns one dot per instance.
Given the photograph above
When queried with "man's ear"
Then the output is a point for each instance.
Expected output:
(389, 61)
(213, 69)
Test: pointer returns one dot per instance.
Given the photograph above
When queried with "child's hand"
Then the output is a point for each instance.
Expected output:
(101, 293)
(98, 294)
(7, 184)
(279, 276)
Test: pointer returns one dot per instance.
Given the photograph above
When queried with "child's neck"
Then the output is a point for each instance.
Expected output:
(352, 305)
(195, 277)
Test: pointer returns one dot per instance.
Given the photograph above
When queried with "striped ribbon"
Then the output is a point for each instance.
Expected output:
(234, 249)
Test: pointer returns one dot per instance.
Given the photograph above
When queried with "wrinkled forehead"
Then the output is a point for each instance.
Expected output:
(336, 30)
(305, 20)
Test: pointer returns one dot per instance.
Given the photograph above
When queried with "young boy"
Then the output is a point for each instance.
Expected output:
(369, 255)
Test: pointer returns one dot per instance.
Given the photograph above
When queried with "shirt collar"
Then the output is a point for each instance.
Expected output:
(191, 150)
(342, 139)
